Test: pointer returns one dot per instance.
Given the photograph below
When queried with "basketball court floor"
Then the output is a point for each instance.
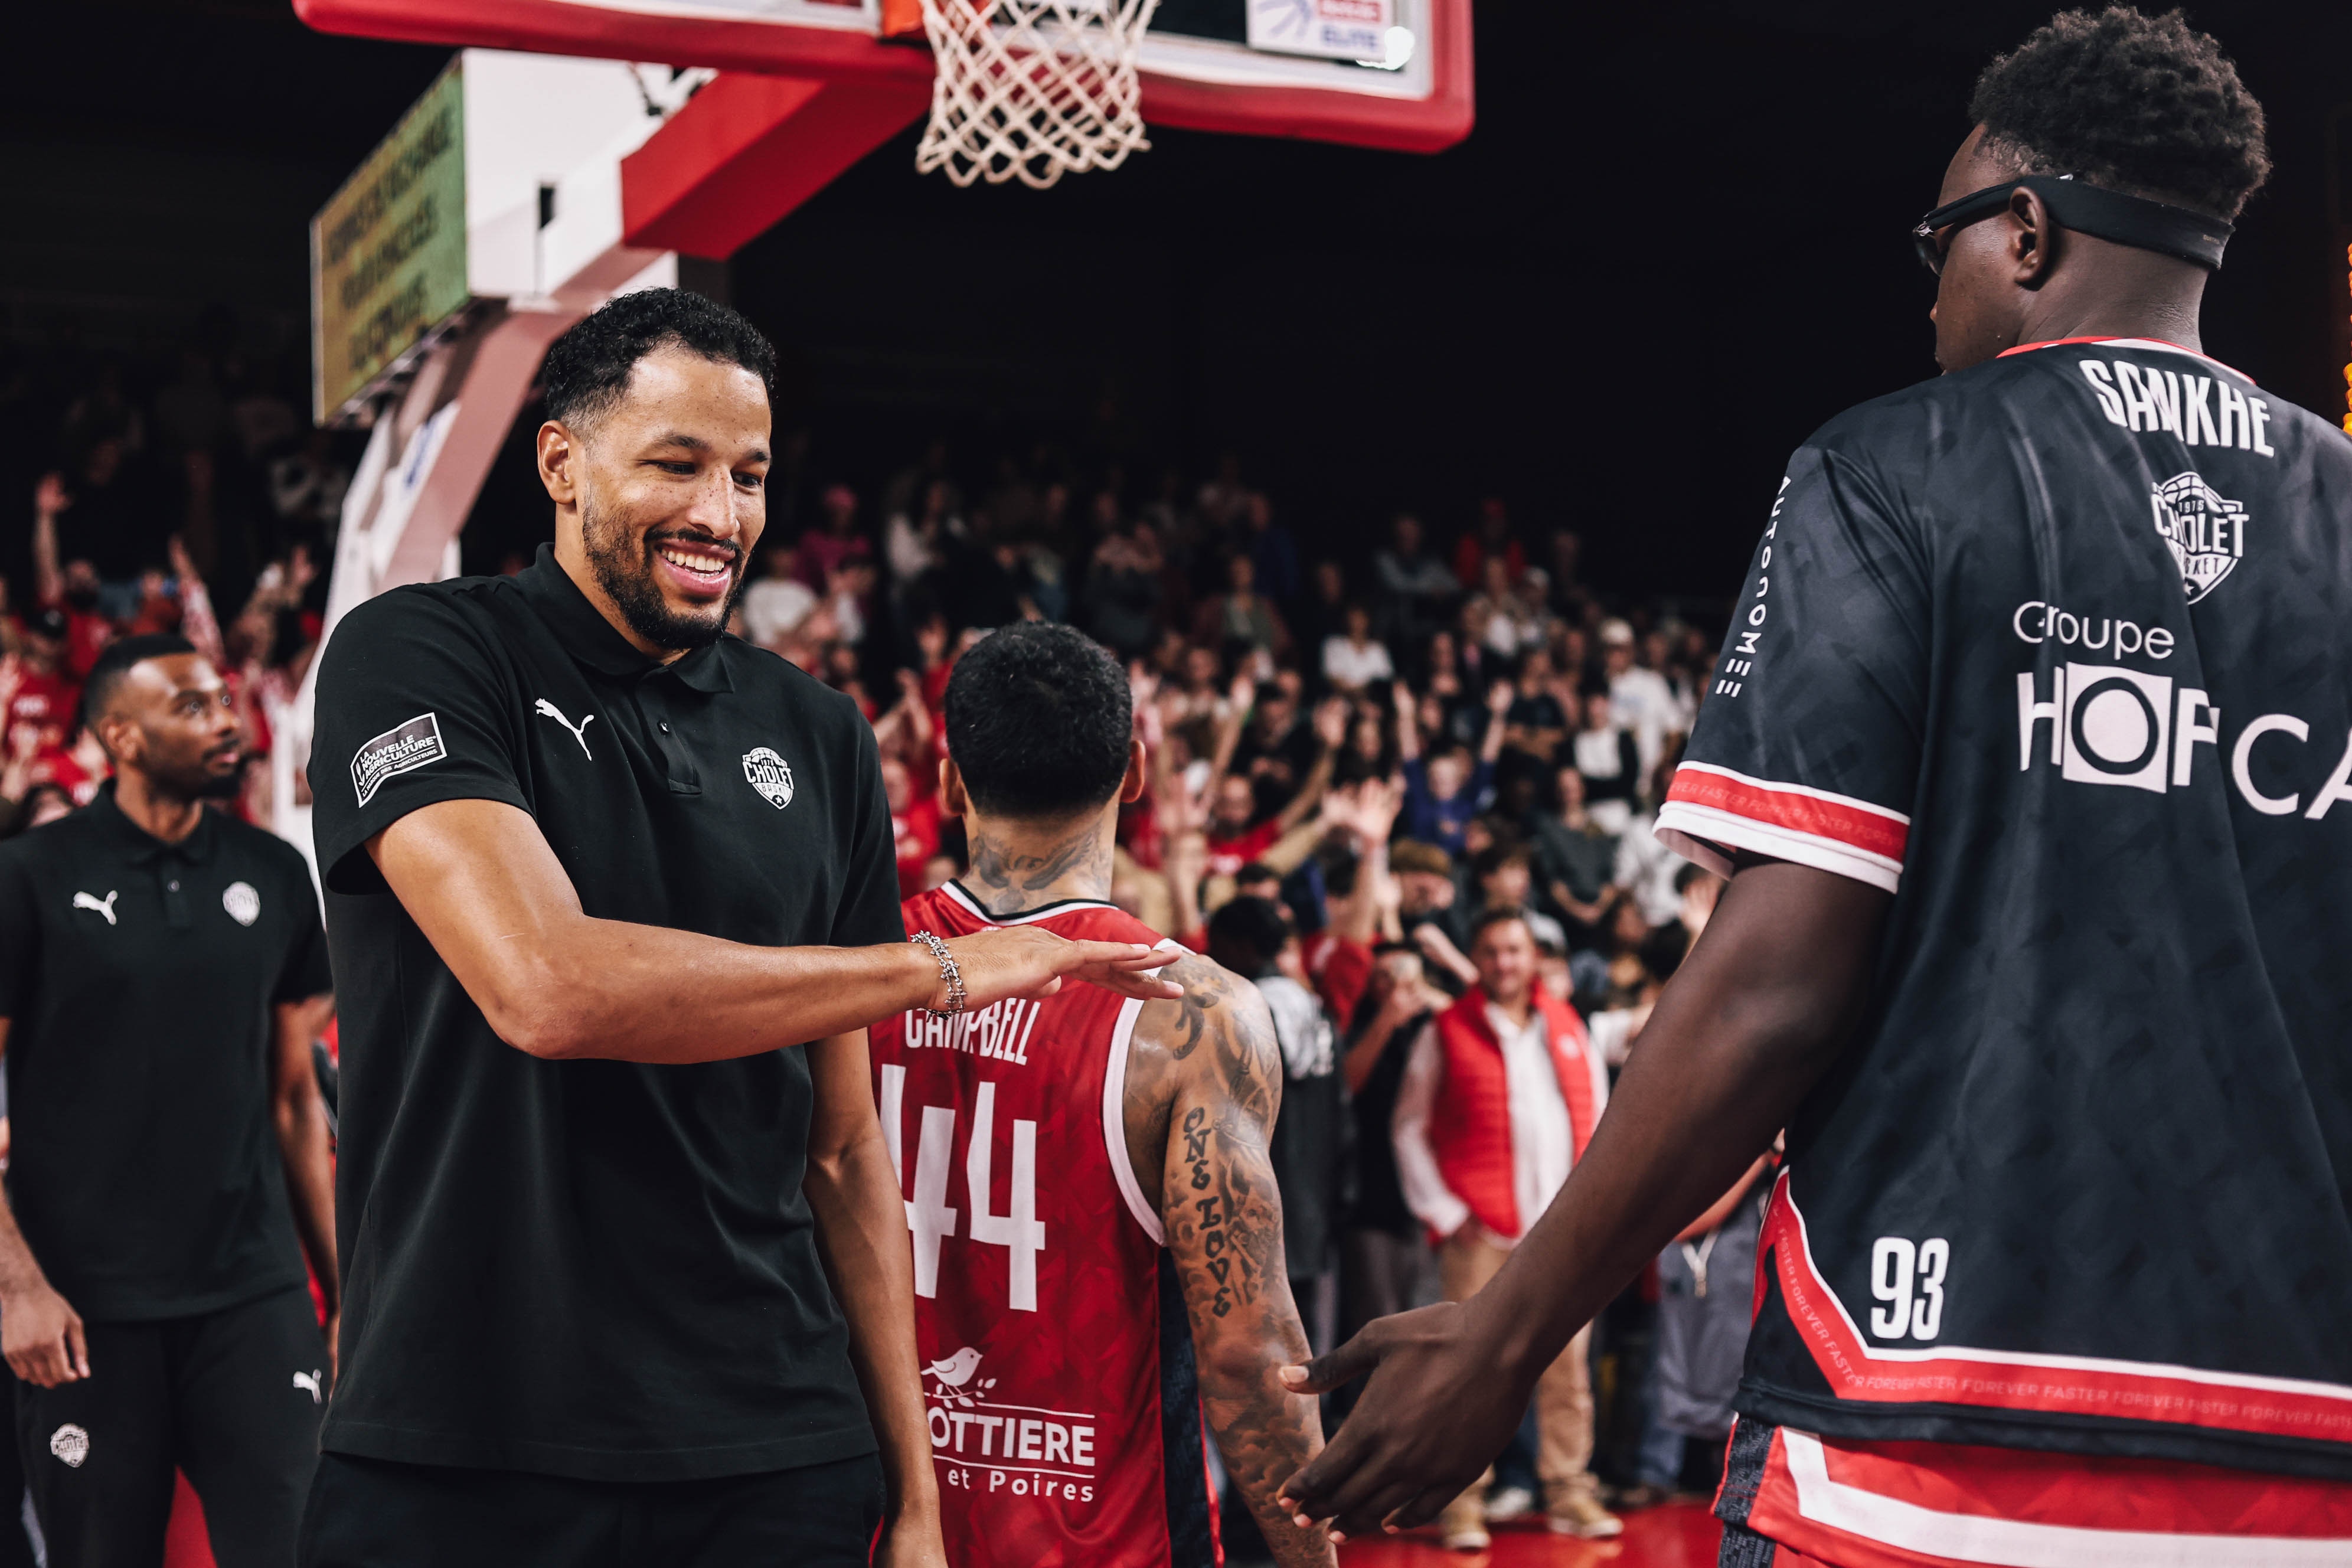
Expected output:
(1677, 1536)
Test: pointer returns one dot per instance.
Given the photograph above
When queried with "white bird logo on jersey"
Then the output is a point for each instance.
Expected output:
(955, 1372)
(579, 731)
(309, 1381)
(104, 906)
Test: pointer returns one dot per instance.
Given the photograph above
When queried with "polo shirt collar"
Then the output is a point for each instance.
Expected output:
(141, 846)
(594, 641)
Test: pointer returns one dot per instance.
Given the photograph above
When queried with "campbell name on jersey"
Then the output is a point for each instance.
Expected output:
(2058, 650)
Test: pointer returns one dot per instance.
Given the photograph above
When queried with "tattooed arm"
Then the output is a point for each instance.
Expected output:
(1203, 1084)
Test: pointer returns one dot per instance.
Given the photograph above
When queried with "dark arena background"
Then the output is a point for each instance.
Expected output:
(1671, 246)
(1674, 242)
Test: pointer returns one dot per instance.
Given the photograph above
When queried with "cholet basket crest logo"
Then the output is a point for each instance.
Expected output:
(2205, 531)
(770, 775)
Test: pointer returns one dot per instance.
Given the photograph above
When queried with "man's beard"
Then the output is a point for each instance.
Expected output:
(623, 565)
(196, 782)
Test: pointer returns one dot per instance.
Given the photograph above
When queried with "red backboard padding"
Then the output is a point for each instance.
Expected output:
(748, 150)
(553, 27)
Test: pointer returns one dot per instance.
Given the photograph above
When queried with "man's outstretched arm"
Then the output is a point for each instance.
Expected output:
(1757, 1012)
(481, 883)
(1204, 1083)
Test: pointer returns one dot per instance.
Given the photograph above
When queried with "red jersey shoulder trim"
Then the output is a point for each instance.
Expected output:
(1816, 827)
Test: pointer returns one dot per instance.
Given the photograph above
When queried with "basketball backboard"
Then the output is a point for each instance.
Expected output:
(1375, 73)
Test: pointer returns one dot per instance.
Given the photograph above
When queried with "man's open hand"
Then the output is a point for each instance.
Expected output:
(41, 1337)
(1029, 961)
(1438, 1408)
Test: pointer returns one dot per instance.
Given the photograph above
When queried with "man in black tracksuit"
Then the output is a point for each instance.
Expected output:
(162, 969)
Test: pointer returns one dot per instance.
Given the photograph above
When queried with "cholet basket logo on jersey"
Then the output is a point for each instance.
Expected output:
(2206, 532)
(770, 775)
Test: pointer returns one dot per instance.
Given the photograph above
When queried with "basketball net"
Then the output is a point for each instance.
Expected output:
(1030, 88)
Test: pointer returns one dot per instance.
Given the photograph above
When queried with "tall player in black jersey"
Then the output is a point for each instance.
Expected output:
(2030, 756)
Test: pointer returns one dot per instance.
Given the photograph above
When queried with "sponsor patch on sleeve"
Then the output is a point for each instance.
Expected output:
(401, 749)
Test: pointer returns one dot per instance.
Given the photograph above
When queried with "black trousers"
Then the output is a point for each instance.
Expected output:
(375, 1513)
(231, 1398)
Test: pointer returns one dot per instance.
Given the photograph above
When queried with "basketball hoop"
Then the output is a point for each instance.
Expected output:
(1030, 88)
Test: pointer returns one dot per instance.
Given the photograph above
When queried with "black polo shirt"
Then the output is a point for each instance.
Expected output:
(139, 980)
(589, 1268)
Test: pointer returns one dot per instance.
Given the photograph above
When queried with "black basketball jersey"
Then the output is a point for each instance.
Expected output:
(2059, 650)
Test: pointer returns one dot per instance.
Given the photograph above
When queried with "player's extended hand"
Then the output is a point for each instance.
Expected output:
(42, 1337)
(1030, 961)
(1439, 1405)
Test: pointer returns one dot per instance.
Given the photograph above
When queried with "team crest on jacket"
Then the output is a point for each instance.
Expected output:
(770, 775)
(2206, 532)
(242, 902)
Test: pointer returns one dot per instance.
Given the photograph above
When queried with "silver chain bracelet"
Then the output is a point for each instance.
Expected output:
(948, 972)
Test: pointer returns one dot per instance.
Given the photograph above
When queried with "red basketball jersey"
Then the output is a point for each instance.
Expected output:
(1058, 1372)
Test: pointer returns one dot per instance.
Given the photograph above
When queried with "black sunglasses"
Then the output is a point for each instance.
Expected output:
(2108, 214)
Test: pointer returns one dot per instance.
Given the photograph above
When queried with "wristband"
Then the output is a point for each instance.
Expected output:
(948, 972)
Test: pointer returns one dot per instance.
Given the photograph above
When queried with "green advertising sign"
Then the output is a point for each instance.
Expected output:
(388, 251)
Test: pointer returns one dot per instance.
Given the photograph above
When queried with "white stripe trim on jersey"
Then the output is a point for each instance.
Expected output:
(2019, 1544)
(2295, 1385)
(1059, 907)
(1692, 831)
(1114, 1110)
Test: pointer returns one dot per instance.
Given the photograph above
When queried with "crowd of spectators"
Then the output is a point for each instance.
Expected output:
(1384, 741)
(1391, 742)
(151, 493)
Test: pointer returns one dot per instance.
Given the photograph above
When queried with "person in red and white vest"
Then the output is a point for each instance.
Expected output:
(1499, 1099)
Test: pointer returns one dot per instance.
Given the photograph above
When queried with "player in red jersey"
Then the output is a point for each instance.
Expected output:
(1098, 1236)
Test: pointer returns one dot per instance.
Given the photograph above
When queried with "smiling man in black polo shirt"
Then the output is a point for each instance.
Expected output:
(162, 968)
(628, 1278)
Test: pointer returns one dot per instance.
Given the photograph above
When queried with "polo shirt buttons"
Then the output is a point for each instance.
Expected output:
(665, 727)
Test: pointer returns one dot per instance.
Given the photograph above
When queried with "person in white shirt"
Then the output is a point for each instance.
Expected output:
(1499, 1099)
(1645, 704)
(1646, 869)
(1354, 659)
(776, 605)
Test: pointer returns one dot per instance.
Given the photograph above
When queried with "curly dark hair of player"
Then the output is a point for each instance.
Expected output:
(588, 368)
(1038, 721)
(2146, 105)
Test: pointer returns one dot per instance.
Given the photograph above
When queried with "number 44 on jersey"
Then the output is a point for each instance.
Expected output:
(1017, 1228)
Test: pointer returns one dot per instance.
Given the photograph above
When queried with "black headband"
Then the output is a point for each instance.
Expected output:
(2106, 214)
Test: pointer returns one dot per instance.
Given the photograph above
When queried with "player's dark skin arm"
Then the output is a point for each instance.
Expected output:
(299, 1117)
(1203, 1086)
(483, 887)
(861, 1233)
(40, 1333)
(1769, 996)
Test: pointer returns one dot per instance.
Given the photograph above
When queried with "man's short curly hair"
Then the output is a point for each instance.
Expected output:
(588, 368)
(2143, 104)
(1038, 720)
